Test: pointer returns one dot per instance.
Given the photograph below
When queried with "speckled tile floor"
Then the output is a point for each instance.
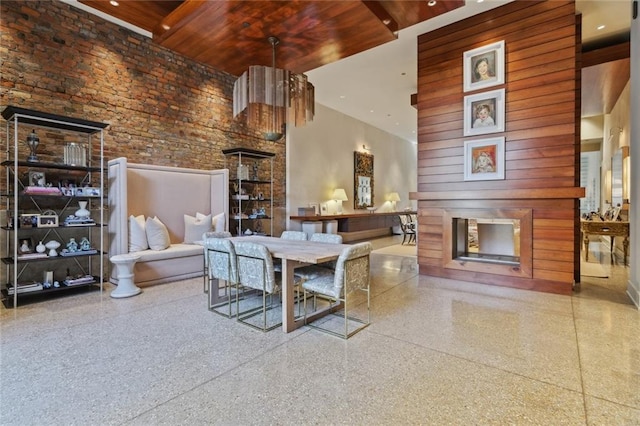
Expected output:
(437, 352)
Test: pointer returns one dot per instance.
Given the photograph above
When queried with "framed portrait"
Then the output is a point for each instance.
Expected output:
(25, 245)
(28, 220)
(47, 221)
(37, 178)
(484, 159)
(484, 113)
(316, 208)
(483, 67)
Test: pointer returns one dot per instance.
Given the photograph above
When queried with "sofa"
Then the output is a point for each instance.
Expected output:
(168, 194)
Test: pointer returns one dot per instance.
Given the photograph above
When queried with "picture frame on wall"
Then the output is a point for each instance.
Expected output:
(484, 113)
(484, 159)
(483, 67)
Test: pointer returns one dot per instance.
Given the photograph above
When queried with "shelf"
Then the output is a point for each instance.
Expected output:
(248, 153)
(44, 228)
(56, 166)
(25, 198)
(7, 299)
(44, 119)
(254, 182)
(10, 260)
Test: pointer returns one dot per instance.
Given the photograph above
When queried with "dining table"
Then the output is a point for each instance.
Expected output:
(295, 254)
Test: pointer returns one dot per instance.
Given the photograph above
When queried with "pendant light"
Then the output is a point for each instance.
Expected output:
(273, 97)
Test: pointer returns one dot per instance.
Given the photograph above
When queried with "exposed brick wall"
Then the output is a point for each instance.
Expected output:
(162, 108)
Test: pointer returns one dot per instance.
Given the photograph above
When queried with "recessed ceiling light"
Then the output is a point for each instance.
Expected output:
(371, 110)
(480, 1)
(114, 3)
(600, 27)
(386, 21)
(166, 27)
(431, 3)
(343, 97)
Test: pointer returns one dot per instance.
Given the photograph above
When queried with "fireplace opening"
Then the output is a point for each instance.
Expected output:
(488, 240)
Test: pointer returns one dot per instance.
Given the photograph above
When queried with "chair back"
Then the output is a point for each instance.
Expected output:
(221, 259)
(352, 268)
(294, 235)
(220, 234)
(255, 267)
(326, 238)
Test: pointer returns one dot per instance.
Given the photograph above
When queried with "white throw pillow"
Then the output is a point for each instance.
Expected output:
(217, 222)
(194, 227)
(157, 234)
(137, 234)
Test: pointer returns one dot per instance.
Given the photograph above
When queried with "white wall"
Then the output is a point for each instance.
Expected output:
(633, 286)
(320, 159)
(591, 127)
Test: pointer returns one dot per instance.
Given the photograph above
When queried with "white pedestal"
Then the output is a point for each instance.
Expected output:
(311, 227)
(124, 264)
(331, 226)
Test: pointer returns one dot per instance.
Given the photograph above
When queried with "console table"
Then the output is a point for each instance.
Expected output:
(357, 222)
(606, 228)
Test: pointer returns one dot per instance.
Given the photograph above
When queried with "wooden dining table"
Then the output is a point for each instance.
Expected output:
(295, 254)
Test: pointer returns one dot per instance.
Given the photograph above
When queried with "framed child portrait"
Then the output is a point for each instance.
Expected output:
(484, 113)
(483, 67)
(484, 159)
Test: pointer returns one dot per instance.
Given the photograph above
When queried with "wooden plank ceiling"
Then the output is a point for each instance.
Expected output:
(231, 35)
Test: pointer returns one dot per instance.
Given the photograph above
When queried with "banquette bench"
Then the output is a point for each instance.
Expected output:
(168, 193)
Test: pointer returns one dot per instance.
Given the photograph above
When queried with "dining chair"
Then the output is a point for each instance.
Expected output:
(205, 275)
(222, 266)
(255, 271)
(408, 229)
(326, 238)
(294, 235)
(289, 235)
(352, 273)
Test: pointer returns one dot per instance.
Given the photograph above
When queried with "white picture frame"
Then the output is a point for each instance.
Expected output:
(484, 159)
(484, 113)
(483, 67)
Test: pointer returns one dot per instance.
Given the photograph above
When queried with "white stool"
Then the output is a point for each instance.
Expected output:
(124, 264)
(311, 227)
(331, 226)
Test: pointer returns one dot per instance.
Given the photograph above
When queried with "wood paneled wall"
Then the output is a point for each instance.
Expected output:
(542, 54)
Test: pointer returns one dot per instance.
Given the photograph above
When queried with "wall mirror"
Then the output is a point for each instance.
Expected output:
(616, 179)
(363, 180)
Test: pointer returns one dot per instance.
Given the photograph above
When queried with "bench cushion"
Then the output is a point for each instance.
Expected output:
(173, 251)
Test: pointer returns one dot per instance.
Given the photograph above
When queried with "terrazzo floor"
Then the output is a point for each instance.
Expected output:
(437, 352)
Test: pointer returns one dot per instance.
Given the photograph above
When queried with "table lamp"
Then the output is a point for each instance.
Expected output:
(394, 197)
(339, 195)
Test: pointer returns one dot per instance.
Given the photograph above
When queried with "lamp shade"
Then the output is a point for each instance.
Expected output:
(339, 194)
(394, 196)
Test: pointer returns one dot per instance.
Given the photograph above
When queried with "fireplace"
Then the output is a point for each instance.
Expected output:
(495, 241)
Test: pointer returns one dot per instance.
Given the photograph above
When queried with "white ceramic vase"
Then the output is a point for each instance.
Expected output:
(82, 211)
(40, 248)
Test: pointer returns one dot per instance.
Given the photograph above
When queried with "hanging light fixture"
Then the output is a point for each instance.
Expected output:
(273, 97)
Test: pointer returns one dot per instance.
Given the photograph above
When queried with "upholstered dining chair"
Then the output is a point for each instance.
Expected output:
(205, 275)
(408, 228)
(294, 235)
(255, 271)
(352, 273)
(289, 235)
(221, 264)
(326, 238)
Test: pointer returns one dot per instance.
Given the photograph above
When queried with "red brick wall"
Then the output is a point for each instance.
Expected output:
(162, 108)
